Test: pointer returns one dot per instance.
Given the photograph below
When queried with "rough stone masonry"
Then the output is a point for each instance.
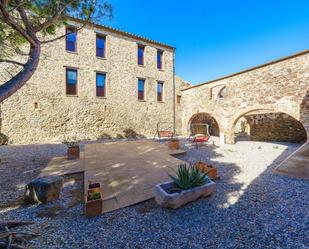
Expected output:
(42, 112)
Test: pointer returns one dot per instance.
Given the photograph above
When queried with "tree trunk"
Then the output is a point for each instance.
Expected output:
(11, 86)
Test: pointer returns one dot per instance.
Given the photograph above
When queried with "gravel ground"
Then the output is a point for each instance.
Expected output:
(252, 207)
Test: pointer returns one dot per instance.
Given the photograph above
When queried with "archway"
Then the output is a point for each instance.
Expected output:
(269, 126)
(204, 118)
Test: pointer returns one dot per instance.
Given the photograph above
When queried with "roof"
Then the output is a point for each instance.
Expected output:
(250, 69)
(124, 33)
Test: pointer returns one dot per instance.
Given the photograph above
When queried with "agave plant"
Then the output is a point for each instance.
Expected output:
(188, 177)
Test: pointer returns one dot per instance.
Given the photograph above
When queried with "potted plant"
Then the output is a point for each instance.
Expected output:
(73, 151)
(94, 200)
(188, 185)
(211, 170)
(173, 144)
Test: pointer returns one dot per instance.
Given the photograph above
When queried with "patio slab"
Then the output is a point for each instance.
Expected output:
(128, 171)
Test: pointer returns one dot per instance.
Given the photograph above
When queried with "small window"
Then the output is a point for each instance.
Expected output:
(140, 55)
(159, 59)
(178, 99)
(160, 91)
(141, 89)
(71, 81)
(222, 93)
(71, 36)
(100, 46)
(100, 84)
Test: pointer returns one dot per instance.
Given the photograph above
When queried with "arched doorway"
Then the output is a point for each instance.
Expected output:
(269, 126)
(203, 118)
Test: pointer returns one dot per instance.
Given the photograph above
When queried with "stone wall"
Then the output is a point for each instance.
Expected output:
(279, 86)
(276, 127)
(179, 85)
(41, 111)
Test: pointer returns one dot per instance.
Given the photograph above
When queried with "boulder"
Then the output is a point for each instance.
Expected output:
(43, 189)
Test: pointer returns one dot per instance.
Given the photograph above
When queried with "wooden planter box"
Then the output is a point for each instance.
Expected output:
(211, 171)
(73, 152)
(94, 207)
(173, 144)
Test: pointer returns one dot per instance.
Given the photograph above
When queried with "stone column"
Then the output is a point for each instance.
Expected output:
(230, 138)
(222, 138)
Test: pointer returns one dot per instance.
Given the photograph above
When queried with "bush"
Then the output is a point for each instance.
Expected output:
(129, 133)
(188, 177)
(105, 136)
(4, 140)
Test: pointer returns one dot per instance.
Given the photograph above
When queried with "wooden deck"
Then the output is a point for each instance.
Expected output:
(128, 171)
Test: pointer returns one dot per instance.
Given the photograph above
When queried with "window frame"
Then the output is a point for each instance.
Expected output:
(159, 51)
(66, 81)
(104, 88)
(144, 89)
(66, 39)
(98, 35)
(143, 57)
(162, 89)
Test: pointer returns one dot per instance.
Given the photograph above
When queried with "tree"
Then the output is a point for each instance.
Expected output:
(31, 23)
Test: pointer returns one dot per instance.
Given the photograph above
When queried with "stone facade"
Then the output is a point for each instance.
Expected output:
(280, 86)
(41, 111)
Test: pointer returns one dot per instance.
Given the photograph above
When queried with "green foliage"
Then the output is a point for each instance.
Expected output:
(39, 12)
(188, 177)
(94, 196)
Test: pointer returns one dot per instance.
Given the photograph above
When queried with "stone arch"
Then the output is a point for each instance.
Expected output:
(201, 118)
(272, 125)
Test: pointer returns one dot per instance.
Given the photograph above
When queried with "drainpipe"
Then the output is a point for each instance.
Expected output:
(174, 94)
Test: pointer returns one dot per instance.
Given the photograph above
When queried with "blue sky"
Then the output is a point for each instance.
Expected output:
(216, 38)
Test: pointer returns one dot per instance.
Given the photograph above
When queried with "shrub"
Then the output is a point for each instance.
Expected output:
(188, 177)
(3, 139)
(119, 136)
(105, 136)
(129, 133)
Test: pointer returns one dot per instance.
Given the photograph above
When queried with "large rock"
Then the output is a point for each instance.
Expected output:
(176, 200)
(43, 189)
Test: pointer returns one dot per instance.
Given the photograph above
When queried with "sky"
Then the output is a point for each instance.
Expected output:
(217, 38)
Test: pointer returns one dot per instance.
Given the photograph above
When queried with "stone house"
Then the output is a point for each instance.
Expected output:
(94, 83)
(100, 81)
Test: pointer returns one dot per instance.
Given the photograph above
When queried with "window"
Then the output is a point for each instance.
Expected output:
(159, 59)
(70, 44)
(222, 93)
(100, 84)
(178, 99)
(141, 89)
(71, 81)
(160, 91)
(100, 45)
(140, 55)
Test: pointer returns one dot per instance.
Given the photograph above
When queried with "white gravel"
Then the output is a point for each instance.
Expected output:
(252, 208)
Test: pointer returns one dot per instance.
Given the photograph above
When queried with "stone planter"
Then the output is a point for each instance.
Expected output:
(73, 152)
(178, 199)
(94, 207)
(173, 145)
